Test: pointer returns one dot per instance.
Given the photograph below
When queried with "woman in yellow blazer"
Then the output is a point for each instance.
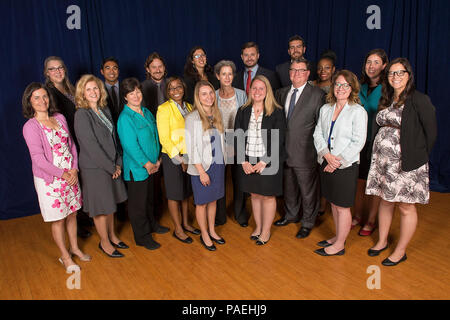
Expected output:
(170, 123)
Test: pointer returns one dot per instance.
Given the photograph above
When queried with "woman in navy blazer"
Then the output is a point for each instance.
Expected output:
(100, 161)
(339, 136)
(140, 142)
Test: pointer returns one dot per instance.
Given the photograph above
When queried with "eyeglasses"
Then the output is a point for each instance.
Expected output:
(344, 86)
(399, 73)
(198, 56)
(301, 71)
(175, 88)
(54, 69)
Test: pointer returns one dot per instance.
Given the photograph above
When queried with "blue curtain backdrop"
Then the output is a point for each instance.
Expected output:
(131, 29)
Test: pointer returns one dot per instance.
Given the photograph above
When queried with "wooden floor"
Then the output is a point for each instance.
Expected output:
(285, 268)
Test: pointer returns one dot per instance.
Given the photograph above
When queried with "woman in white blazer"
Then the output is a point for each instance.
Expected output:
(204, 136)
(339, 137)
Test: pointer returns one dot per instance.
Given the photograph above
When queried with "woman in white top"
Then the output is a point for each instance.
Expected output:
(339, 136)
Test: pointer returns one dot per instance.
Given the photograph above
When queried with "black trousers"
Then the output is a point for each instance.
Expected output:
(141, 208)
(239, 198)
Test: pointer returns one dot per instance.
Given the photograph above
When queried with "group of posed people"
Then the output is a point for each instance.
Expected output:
(333, 139)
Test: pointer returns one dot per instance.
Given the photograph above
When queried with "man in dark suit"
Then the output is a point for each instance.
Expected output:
(296, 50)
(301, 103)
(154, 87)
(250, 57)
(110, 71)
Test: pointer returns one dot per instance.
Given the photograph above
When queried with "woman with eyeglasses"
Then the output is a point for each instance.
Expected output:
(373, 73)
(63, 92)
(196, 68)
(170, 122)
(339, 136)
(404, 134)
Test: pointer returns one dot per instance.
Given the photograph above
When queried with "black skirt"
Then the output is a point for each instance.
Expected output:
(263, 184)
(339, 187)
(177, 183)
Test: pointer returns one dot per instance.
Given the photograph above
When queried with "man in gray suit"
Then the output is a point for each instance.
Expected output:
(301, 103)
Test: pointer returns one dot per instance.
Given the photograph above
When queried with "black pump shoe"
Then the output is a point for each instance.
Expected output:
(324, 244)
(389, 263)
(218, 241)
(120, 245)
(374, 253)
(322, 252)
(187, 240)
(210, 248)
(115, 254)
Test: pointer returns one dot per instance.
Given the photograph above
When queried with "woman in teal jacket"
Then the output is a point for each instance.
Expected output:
(373, 72)
(140, 142)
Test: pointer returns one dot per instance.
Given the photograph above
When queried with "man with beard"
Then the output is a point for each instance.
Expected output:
(110, 71)
(250, 57)
(154, 87)
(296, 50)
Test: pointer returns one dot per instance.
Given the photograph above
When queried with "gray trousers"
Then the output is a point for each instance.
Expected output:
(301, 195)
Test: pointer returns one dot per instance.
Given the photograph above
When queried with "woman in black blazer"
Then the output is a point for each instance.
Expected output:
(261, 154)
(100, 161)
(405, 132)
(197, 68)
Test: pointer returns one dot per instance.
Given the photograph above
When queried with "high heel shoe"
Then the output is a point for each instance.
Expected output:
(254, 238)
(324, 244)
(194, 231)
(115, 254)
(322, 252)
(218, 241)
(364, 233)
(210, 248)
(70, 269)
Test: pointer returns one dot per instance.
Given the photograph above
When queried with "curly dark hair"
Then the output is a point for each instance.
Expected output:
(189, 68)
(150, 58)
(27, 109)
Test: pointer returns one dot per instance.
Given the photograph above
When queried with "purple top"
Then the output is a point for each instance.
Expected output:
(41, 151)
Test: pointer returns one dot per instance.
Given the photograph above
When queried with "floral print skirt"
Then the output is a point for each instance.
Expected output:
(57, 199)
(386, 178)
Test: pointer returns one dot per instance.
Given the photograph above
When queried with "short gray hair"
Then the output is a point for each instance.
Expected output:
(224, 63)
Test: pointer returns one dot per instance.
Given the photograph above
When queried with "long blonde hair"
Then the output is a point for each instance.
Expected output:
(269, 101)
(66, 82)
(217, 116)
(80, 99)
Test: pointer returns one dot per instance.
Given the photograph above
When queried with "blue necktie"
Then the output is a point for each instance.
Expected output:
(292, 104)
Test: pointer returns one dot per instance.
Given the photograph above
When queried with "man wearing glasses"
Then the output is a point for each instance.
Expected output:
(301, 103)
(250, 57)
(296, 50)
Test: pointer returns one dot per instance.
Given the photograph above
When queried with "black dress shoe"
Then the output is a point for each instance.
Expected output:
(323, 253)
(218, 241)
(374, 253)
(243, 224)
(83, 233)
(324, 244)
(195, 231)
(120, 245)
(303, 233)
(284, 222)
(161, 230)
(187, 240)
(210, 248)
(149, 244)
(388, 263)
(216, 224)
(115, 254)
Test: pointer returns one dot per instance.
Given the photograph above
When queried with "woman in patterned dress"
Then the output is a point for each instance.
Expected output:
(405, 132)
(55, 169)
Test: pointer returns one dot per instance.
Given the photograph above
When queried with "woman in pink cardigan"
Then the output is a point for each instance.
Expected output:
(55, 169)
